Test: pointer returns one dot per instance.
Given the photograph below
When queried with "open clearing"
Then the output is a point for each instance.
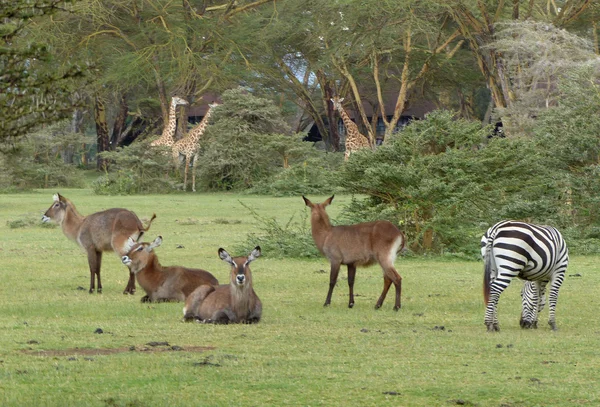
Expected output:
(62, 346)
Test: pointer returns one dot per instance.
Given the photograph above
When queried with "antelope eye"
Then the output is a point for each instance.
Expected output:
(139, 248)
(56, 205)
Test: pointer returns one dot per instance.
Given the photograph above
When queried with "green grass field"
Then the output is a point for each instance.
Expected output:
(433, 352)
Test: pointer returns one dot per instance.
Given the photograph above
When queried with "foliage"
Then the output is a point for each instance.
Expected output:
(315, 173)
(35, 87)
(35, 161)
(136, 169)
(441, 179)
(537, 56)
(570, 133)
(292, 239)
(244, 142)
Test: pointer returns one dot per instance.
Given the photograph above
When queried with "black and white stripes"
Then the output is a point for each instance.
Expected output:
(537, 254)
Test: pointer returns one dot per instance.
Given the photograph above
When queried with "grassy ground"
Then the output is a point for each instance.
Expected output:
(433, 352)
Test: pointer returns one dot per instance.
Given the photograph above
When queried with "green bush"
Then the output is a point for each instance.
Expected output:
(136, 169)
(294, 239)
(35, 161)
(315, 174)
(441, 179)
(244, 144)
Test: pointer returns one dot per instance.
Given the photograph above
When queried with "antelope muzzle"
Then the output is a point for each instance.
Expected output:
(126, 260)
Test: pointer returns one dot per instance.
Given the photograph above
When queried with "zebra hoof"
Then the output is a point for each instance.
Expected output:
(528, 324)
(553, 326)
(493, 327)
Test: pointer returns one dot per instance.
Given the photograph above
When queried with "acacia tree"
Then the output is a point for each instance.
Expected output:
(148, 50)
(477, 21)
(536, 57)
(35, 87)
(369, 51)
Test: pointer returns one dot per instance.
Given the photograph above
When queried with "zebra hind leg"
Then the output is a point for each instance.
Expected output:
(493, 327)
(530, 296)
(491, 312)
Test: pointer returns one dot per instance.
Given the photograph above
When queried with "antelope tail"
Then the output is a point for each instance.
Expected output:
(487, 270)
(149, 223)
(403, 245)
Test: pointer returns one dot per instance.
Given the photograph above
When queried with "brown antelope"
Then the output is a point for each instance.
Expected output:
(172, 283)
(235, 302)
(355, 246)
(99, 232)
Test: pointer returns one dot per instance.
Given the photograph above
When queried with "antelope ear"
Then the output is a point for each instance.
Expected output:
(129, 244)
(341, 100)
(329, 200)
(307, 202)
(56, 197)
(332, 100)
(225, 256)
(157, 242)
(254, 254)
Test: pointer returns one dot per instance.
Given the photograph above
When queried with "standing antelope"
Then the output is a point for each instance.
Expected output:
(355, 246)
(172, 283)
(108, 230)
(235, 302)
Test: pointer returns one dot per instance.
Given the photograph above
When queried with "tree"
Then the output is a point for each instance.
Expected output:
(35, 87)
(440, 179)
(536, 57)
(145, 52)
(368, 51)
(477, 21)
(233, 152)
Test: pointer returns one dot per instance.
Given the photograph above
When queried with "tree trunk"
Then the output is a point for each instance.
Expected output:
(101, 132)
(301, 92)
(117, 135)
(327, 89)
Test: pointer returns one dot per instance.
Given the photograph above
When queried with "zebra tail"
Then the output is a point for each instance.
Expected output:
(487, 270)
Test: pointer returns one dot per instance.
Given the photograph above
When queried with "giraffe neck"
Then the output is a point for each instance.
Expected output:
(169, 131)
(197, 131)
(167, 138)
(350, 125)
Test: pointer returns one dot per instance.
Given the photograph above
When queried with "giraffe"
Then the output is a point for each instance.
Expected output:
(354, 139)
(168, 135)
(188, 147)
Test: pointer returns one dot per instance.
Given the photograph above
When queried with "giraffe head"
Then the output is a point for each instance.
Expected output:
(176, 100)
(337, 102)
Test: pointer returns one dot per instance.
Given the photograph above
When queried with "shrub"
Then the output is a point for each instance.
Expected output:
(37, 161)
(441, 180)
(294, 239)
(315, 174)
(135, 169)
(244, 143)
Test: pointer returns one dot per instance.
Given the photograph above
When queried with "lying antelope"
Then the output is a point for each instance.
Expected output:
(355, 246)
(172, 283)
(235, 302)
(99, 232)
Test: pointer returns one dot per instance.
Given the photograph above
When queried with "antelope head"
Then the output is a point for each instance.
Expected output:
(240, 272)
(317, 211)
(139, 254)
(57, 210)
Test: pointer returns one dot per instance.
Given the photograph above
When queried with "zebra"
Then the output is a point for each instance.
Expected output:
(537, 254)
(530, 291)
